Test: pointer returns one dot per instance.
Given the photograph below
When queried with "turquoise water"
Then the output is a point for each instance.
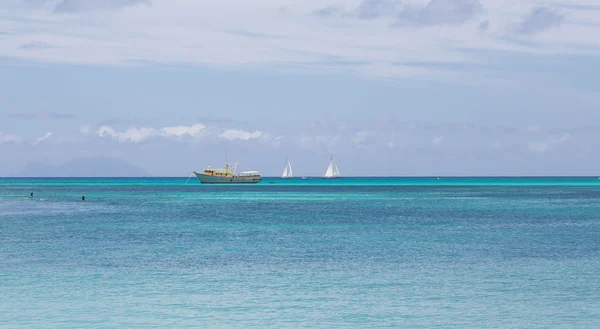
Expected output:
(349, 253)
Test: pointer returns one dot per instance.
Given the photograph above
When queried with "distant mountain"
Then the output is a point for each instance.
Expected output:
(84, 167)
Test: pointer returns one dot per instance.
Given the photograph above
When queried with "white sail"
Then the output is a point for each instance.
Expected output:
(332, 170)
(290, 174)
(287, 170)
(329, 172)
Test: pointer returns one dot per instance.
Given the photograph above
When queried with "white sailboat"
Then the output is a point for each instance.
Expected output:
(287, 171)
(332, 170)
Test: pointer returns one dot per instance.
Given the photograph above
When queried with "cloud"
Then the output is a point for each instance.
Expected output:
(366, 46)
(233, 134)
(41, 139)
(10, 138)
(136, 135)
(35, 45)
(484, 26)
(440, 12)
(364, 138)
(540, 19)
(435, 12)
(438, 140)
(183, 130)
(74, 6)
(107, 131)
(43, 116)
(132, 134)
(371, 9)
(329, 11)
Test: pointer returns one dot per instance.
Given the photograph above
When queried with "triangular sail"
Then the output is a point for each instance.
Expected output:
(336, 171)
(289, 166)
(287, 170)
(332, 170)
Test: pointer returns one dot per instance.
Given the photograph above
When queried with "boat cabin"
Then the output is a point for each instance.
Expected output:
(249, 173)
(217, 172)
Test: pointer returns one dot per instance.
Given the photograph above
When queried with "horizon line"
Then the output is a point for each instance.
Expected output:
(320, 177)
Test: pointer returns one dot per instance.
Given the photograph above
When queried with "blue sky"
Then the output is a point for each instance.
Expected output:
(421, 87)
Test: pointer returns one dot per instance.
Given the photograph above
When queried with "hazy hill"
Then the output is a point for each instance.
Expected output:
(84, 167)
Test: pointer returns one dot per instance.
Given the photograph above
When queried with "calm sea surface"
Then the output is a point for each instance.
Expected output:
(351, 253)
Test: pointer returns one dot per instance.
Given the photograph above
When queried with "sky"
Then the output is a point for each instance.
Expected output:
(389, 87)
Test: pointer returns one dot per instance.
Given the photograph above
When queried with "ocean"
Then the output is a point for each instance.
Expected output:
(303, 253)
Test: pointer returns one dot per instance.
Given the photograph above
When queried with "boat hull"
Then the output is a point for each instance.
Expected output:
(208, 179)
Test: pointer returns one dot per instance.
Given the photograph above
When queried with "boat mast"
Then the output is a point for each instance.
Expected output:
(226, 164)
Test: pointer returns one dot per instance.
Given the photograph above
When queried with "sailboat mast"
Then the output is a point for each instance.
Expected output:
(226, 164)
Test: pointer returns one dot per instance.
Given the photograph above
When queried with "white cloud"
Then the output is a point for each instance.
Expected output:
(132, 134)
(196, 32)
(107, 131)
(234, 134)
(438, 140)
(136, 135)
(43, 138)
(10, 138)
(184, 130)
(364, 138)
